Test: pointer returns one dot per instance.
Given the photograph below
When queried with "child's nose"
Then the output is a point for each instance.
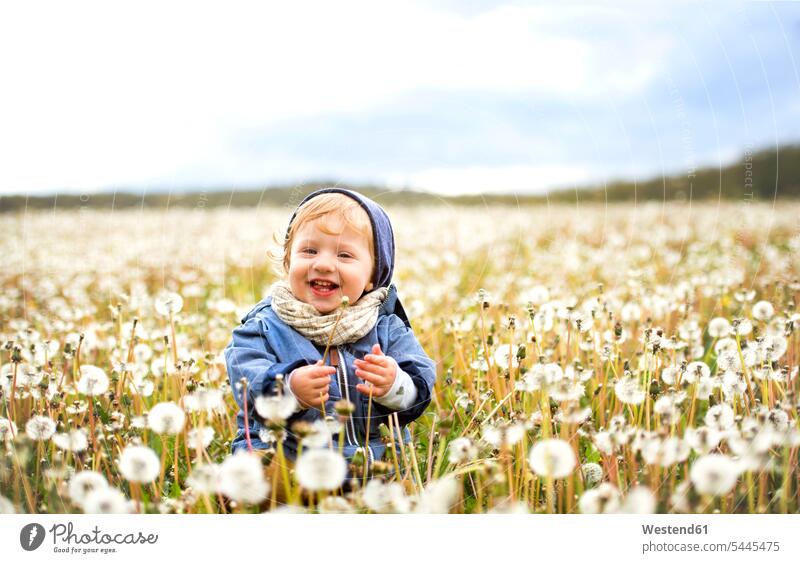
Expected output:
(324, 263)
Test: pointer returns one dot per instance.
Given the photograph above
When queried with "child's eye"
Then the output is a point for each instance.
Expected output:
(308, 251)
(345, 255)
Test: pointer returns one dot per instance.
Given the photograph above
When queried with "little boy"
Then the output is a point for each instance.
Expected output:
(339, 244)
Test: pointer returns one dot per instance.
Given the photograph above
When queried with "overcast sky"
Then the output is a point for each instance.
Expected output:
(448, 96)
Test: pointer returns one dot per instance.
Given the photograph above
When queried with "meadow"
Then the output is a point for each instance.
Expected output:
(591, 359)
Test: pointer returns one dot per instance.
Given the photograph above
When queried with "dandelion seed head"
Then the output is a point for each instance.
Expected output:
(139, 464)
(382, 497)
(83, 483)
(320, 470)
(592, 474)
(603, 499)
(719, 417)
(462, 450)
(276, 408)
(714, 474)
(742, 327)
(168, 302)
(629, 391)
(6, 506)
(695, 371)
(75, 440)
(166, 418)
(204, 478)
(508, 507)
(503, 433)
(669, 374)
(93, 381)
(439, 496)
(638, 500)
(552, 458)
(200, 437)
(40, 428)
(241, 478)
(106, 500)
(703, 439)
(335, 505)
(763, 311)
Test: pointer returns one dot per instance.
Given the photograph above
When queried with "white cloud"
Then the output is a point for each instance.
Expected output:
(501, 179)
(99, 94)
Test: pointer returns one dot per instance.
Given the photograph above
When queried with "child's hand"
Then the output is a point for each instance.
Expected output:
(379, 370)
(310, 384)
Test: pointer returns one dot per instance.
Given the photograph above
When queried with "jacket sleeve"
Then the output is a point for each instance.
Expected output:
(411, 358)
(250, 356)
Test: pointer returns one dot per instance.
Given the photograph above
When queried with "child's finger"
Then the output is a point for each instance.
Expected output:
(374, 390)
(376, 349)
(379, 360)
(322, 371)
(374, 378)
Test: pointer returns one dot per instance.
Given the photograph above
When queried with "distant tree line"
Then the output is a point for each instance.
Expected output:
(760, 176)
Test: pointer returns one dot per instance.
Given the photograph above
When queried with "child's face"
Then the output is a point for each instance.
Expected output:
(341, 259)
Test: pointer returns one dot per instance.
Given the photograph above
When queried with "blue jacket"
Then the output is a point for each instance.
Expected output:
(264, 346)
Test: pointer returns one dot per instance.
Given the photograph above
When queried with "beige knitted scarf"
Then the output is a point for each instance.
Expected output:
(357, 319)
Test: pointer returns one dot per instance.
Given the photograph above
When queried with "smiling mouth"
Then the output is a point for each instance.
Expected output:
(323, 288)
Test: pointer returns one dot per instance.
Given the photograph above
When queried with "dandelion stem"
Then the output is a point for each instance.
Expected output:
(246, 416)
(366, 439)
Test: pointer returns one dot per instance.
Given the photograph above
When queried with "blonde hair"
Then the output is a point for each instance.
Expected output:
(321, 206)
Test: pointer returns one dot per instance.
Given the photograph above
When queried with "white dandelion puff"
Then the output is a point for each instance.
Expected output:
(719, 417)
(107, 500)
(6, 506)
(83, 483)
(204, 478)
(695, 371)
(638, 500)
(40, 428)
(603, 499)
(439, 496)
(241, 478)
(552, 458)
(205, 399)
(168, 302)
(320, 470)
(505, 357)
(669, 374)
(462, 450)
(200, 437)
(93, 381)
(742, 327)
(166, 418)
(503, 433)
(75, 440)
(763, 311)
(630, 312)
(629, 391)
(703, 439)
(139, 464)
(719, 327)
(714, 474)
(275, 408)
(382, 497)
(508, 507)
(335, 505)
